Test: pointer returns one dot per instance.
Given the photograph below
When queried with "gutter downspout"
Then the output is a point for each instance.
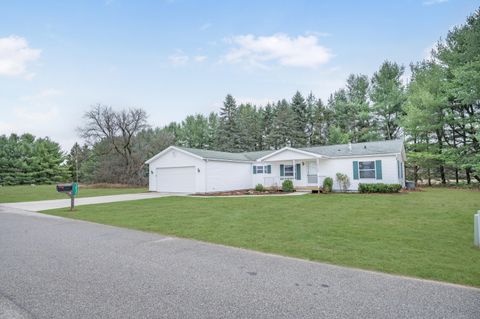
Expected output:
(206, 175)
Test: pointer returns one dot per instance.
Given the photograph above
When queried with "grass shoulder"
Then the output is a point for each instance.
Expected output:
(28, 193)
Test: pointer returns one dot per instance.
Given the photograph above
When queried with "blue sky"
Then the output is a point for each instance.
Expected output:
(179, 57)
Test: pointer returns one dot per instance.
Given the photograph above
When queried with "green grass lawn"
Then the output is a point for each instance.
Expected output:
(426, 234)
(27, 193)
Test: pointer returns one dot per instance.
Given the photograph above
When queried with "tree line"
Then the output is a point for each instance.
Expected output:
(437, 113)
(26, 159)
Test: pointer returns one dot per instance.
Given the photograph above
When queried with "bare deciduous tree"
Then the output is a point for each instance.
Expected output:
(118, 130)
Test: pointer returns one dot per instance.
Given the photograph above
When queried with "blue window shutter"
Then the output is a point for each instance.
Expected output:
(355, 169)
(254, 169)
(298, 172)
(401, 169)
(269, 169)
(398, 169)
(378, 169)
(282, 170)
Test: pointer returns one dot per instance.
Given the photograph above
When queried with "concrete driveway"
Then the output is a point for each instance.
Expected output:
(52, 267)
(61, 203)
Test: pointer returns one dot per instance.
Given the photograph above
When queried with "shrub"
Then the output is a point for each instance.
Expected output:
(343, 181)
(379, 188)
(259, 188)
(287, 186)
(327, 184)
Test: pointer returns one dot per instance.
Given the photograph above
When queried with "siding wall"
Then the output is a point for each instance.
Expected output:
(175, 158)
(226, 176)
(329, 168)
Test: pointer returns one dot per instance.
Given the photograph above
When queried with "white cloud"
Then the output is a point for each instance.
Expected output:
(199, 58)
(15, 54)
(178, 59)
(433, 2)
(301, 51)
(30, 114)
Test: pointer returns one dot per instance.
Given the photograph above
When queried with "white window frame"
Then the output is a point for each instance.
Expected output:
(285, 170)
(360, 170)
(263, 169)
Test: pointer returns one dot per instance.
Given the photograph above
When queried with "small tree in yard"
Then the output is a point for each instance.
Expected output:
(343, 181)
(327, 184)
(287, 186)
(259, 188)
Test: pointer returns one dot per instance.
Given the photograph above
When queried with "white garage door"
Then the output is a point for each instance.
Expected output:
(176, 179)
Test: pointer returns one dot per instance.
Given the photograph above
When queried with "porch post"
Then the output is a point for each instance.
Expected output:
(294, 172)
(318, 173)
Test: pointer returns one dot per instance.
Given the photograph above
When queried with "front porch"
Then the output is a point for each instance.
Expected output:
(304, 173)
(301, 167)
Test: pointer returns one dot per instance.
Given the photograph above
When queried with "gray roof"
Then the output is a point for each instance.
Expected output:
(358, 149)
(217, 155)
(366, 148)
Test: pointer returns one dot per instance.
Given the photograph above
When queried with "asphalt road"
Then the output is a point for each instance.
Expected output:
(59, 268)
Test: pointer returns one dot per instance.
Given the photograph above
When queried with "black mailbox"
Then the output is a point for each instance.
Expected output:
(64, 188)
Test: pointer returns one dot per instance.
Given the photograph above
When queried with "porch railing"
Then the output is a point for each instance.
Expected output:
(312, 179)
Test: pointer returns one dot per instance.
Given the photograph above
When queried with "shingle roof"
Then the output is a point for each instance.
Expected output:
(366, 148)
(358, 149)
(217, 155)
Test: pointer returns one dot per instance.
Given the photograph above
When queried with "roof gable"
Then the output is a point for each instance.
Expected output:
(288, 153)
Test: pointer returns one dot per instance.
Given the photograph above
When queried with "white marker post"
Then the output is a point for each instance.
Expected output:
(476, 229)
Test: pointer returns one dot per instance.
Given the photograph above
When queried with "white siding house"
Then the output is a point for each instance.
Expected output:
(186, 170)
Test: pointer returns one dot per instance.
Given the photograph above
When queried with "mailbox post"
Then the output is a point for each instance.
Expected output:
(71, 190)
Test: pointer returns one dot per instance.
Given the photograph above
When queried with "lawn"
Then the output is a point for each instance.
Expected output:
(27, 193)
(427, 234)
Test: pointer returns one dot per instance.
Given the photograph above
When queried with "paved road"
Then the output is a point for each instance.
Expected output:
(52, 267)
(37, 206)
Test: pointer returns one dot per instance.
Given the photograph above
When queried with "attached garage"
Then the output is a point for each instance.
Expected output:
(185, 170)
(176, 179)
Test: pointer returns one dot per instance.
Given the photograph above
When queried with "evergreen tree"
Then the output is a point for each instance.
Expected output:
(300, 121)
(28, 160)
(194, 131)
(267, 126)
(360, 115)
(460, 54)
(388, 97)
(212, 131)
(283, 125)
(228, 128)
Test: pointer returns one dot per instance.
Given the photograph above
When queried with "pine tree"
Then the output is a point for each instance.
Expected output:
(388, 97)
(228, 128)
(300, 121)
(267, 127)
(283, 125)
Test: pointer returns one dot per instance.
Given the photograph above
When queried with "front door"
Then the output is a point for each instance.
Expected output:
(312, 173)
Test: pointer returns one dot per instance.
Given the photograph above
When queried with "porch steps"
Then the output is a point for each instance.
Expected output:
(306, 188)
(314, 189)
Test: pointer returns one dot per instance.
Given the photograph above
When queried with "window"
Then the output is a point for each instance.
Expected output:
(400, 169)
(288, 170)
(366, 169)
(262, 169)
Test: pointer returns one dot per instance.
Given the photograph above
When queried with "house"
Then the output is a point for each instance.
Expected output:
(188, 170)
